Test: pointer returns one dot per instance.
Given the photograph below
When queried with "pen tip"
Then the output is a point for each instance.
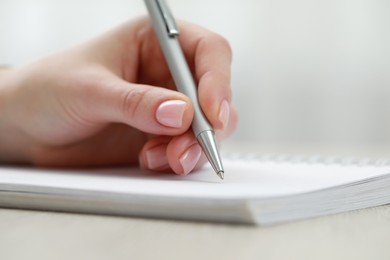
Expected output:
(220, 174)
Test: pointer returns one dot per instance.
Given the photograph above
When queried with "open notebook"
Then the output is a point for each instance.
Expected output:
(259, 190)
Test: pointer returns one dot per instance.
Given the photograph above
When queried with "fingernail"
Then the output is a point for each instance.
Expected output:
(224, 113)
(156, 157)
(170, 113)
(190, 158)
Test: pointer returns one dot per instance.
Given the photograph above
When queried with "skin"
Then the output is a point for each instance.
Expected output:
(95, 104)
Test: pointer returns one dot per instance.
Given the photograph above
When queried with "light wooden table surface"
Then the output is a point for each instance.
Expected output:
(363, 234)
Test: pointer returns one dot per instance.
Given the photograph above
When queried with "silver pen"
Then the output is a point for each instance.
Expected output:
(167, 33)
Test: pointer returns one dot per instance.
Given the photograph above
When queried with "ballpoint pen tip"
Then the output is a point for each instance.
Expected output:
(220, 174)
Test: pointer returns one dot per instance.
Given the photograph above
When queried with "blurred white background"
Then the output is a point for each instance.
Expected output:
(304, 71)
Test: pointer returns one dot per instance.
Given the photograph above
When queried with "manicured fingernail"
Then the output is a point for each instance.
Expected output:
(170, 113)
(190, 158)
(224, 113)
(156, 157)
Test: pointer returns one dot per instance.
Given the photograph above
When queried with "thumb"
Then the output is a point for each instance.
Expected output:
(154, 110)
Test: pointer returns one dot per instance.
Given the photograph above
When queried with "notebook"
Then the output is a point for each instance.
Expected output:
(256, 190)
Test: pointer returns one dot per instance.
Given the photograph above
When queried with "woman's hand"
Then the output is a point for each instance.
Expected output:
(112, 101)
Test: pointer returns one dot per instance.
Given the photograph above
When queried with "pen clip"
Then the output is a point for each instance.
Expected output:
(167, 16)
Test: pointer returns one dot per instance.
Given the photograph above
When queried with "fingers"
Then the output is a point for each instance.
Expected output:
(180, 154)
(213, 73)
(183, 153)
(211, 57)
(163, 112)
(153, 155)
(231, 126)
(150, 109)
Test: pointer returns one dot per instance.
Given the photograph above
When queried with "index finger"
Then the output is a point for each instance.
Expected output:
(209, 56)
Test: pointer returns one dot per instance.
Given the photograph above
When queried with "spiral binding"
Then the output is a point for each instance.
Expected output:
(308, 159)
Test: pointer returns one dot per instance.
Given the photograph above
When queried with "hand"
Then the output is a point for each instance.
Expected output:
(112, 101)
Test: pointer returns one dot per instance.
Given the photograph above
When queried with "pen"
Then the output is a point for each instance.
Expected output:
(167, 33)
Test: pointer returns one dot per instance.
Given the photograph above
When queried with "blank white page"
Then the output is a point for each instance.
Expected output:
(243, 179)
